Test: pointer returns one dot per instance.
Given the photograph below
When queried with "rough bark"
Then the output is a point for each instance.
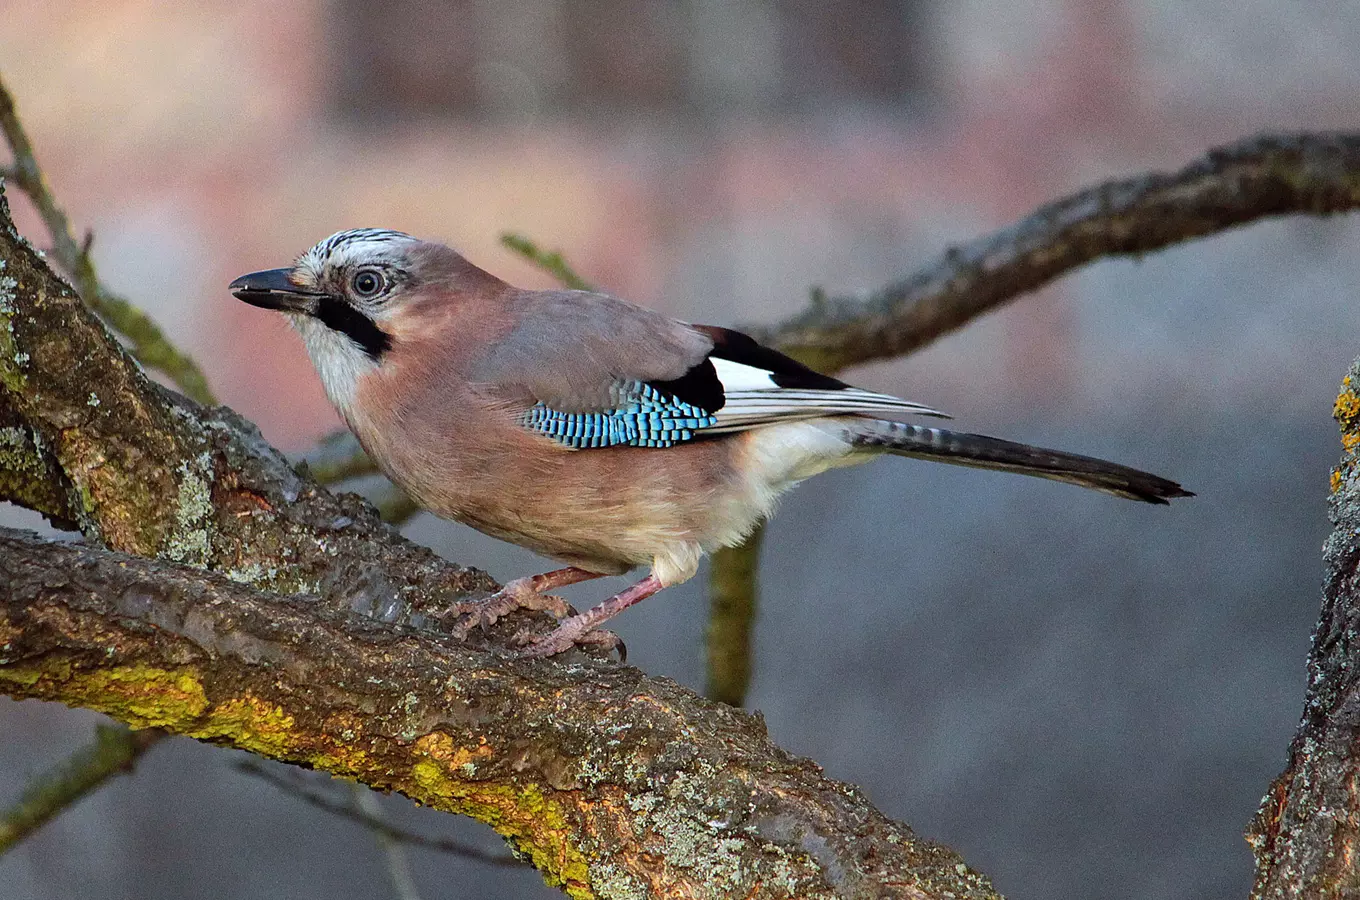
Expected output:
(612, 783)
(1306, 832)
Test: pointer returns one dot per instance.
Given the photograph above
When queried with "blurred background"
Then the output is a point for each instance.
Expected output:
(1085, 697)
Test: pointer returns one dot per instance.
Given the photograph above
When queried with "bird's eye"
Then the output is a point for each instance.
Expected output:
(368, 283)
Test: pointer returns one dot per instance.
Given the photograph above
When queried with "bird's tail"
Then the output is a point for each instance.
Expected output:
(984, 452)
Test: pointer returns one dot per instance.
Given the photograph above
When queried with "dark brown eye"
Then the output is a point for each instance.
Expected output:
(368, 283)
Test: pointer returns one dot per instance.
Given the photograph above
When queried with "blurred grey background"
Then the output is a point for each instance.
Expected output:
(1085, 697)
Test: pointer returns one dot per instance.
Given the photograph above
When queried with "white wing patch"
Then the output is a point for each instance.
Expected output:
(736, 376)
(753, 398)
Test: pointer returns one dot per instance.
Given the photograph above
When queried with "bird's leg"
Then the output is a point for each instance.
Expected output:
(580, 627)
(521, 593)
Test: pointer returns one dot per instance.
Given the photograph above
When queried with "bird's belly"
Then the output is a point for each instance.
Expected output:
(605, 510)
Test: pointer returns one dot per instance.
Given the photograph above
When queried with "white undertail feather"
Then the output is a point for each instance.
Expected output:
(677, 562)
(775, 458)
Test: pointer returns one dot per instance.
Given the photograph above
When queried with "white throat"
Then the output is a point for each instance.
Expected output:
(338, 360)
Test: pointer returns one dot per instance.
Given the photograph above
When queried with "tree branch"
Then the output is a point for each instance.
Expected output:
(612, 783)
(115, 750)
(732, 600)
(1306, 832)
(1257, 178)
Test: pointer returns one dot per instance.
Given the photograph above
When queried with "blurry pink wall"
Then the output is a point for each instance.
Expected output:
(198, 141)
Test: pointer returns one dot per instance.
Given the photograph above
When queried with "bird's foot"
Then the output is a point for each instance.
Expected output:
(577, 631)
(521, 593)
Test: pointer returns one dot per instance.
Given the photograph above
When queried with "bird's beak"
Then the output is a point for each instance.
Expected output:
(273, 289)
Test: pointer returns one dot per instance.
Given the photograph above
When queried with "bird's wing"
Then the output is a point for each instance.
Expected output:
(589, 370)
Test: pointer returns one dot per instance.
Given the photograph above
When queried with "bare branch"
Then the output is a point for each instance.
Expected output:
(149, 344)
(1272, 175)
(1310, 174)
(115, 751)
(338, 457)
(732, 597)
(305, 792)
(395, 860)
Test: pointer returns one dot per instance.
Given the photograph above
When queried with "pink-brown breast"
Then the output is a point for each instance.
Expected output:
(463, 456)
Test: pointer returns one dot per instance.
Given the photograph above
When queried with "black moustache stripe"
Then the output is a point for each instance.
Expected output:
(340, 316)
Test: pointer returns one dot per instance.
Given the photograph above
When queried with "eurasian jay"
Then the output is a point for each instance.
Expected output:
(585, 428)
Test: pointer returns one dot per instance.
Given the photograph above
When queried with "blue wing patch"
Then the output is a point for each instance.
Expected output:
(643, 417)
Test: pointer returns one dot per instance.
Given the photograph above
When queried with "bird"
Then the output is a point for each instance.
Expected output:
(593, 431)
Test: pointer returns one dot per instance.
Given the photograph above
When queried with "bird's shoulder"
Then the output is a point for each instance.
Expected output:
(571, 349)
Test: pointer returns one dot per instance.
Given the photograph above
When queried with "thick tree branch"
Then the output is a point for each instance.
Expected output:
(612, 783)
(1271, 175)
(1306, 835)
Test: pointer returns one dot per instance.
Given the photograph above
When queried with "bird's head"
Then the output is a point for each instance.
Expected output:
(341, 292)
(359, 296)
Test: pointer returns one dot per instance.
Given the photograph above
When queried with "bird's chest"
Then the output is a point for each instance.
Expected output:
(451, 451)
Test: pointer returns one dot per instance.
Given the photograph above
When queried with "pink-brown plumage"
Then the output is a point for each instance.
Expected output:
(663, 441)
(441, 418)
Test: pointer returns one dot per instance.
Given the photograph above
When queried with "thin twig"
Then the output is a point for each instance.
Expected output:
(732, 593)
(338, 457)
(115, 750)
(377, 824)
(394, 852)
(394, 505)
(148, 343)
(550, 262)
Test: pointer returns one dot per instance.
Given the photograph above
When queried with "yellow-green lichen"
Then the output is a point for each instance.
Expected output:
(536, 824)
(146, 697)
(251, 724)
(1347, 406)
(23, 476)
(142, 696)
(12, 359)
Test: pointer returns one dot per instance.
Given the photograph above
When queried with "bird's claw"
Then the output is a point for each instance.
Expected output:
(514, 595)
(568, 635)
